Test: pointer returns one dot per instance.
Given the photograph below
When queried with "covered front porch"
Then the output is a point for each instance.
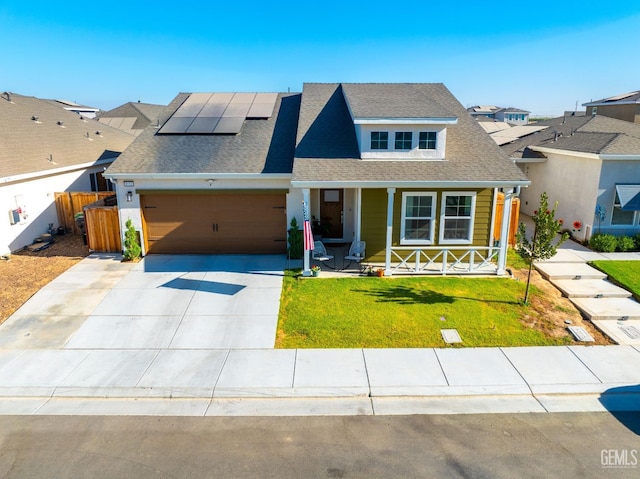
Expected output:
(378, 227)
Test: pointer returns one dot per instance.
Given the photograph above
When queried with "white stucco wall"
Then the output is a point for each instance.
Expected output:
(36, 198)
(572, 181)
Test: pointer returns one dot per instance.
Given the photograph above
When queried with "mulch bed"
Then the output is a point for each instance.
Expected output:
(26, 272)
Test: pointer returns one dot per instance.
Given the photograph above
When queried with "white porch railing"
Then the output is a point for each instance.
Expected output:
(439, 260)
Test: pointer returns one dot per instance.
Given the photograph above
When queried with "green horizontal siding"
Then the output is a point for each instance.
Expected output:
(374, 218)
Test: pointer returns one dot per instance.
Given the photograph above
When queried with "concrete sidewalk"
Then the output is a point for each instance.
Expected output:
(308, 382)
(167, 337)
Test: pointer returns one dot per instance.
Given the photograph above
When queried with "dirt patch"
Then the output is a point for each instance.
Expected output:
(26, 272)
(551, 310)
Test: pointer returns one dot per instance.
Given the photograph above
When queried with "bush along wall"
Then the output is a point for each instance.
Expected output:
(608, 243)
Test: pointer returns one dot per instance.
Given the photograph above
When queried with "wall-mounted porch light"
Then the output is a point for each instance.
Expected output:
(129, 196)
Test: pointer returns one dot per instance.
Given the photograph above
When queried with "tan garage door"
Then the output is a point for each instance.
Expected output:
(215, 223)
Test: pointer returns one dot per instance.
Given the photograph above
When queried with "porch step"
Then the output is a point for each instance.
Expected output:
(622, 332)
(608, 308)
(589, 288)
(568, 271)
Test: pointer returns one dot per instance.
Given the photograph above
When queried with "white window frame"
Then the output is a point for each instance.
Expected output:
(379, 140)
(444, 217)
(435, 141)
(634, 216)
(404, 133)
(403, 218)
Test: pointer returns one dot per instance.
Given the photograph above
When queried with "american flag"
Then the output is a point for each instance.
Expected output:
(306, 228)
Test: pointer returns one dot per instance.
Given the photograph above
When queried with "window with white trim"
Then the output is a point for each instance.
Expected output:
(456, 217)
(619, 216)
(418, 218)
(427, 140)
(379, 140)
(403, 140)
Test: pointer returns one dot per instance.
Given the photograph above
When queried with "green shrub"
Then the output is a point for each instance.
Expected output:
(625, 243)
(636, 240)
(295, 240)
(132, 249)
(603, 242)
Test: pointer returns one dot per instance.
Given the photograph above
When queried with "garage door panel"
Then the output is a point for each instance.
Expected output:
(217, 223)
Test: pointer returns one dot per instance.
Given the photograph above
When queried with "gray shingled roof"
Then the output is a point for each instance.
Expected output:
(396, 100)
(327, 147)
(263, 146)
(143, 113)
(27, 145)
(594, 134)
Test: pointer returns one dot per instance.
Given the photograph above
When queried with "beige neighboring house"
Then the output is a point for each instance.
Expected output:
(586, 164)
(46, 148)
(622, 107)
(132, 117)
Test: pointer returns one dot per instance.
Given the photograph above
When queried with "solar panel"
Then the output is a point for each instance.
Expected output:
(203, 124)
(219, 113)
(260, 110)
(192, 105)
(176, 125)
(243, 98)
(213, 109)
(229, 125)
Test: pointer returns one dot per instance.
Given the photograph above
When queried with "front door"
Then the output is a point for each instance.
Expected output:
(331, 213)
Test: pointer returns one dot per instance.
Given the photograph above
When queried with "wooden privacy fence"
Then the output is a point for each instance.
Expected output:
(102, 225)
(103, 228)
(513, 224)
(70, 203)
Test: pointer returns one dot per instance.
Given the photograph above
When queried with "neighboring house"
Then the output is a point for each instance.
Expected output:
(402, 167)
(82, 110)
(512, 116)
(584, 163)
(623, 107)
(131, 117)
(46, 149)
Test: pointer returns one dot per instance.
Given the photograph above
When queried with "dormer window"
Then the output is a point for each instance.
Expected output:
(403, 140)
(427, 140)
(379, 140)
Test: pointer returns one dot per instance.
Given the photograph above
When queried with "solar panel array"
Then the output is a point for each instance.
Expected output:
(218, 113)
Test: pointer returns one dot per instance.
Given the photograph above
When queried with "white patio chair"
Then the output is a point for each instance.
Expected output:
(356, 253)
(319, 253)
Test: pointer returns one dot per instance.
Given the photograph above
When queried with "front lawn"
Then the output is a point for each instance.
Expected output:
(405, 313)
(624, 273)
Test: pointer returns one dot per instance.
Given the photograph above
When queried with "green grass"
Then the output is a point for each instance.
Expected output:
(623, 273)
(403, 313)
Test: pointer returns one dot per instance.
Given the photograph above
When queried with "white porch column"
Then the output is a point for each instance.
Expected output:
(358, 213)
(504, 231)
(306, 254)
(387, 259)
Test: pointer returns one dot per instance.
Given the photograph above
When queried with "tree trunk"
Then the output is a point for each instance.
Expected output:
(533, 256)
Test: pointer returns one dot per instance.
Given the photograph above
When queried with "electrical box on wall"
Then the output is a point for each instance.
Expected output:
(14, 216)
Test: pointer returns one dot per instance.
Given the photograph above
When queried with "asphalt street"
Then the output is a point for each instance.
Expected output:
(563, 445)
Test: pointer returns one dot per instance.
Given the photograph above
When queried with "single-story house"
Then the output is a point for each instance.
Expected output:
(132, 117)
(402, 167)
(44, 149)
(590, 165)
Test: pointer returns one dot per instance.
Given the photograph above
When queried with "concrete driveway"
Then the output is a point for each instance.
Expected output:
(163, 302)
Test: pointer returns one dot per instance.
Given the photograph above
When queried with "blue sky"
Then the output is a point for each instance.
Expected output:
(542, 56)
